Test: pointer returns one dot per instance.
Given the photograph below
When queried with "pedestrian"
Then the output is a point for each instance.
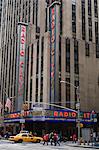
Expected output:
(74, 138)
(51, 137)
(56, 139)
(97, 138)
(46, 139)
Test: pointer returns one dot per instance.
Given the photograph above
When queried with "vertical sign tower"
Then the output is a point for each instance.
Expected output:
(21, 64)
(54, 27)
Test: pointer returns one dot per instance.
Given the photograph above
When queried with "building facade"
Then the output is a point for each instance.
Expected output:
(0, 31)
(62, 43)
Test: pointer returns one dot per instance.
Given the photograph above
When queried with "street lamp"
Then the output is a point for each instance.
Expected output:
(77, 105)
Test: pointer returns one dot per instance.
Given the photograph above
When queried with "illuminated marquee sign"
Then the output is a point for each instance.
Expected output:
(65, 114)
(69, 114)
(50, 115)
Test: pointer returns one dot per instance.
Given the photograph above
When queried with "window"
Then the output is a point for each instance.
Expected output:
(97, 50)
(76, 58)
(33, 11)
(30, 89)
(36, 89)
(29, 13)
(96, 8)
(36, 13)
(24, 135)
(90, 34)
(46, 20)
(83, 20)
(41, 91)
(98, 80)
(67, 55)
(37, 57)
(30, 135)
(74, 20)
(90, 28)
(87, 51)
(96, 31)
(31, 59)
(90, 22)
(42, 51)
(89, 8)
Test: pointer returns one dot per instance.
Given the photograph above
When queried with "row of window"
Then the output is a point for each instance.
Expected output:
(87, 50)
(89, 20)
(83, 18)
(31, 53)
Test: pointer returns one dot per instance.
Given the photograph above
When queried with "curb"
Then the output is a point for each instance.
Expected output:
(82, 146)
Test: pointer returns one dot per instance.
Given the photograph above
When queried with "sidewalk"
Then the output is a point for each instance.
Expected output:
(82, 145)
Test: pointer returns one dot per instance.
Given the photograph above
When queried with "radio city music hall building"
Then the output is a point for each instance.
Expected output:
(44, 42)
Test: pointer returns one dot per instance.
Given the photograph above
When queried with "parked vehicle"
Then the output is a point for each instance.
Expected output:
(25, 137)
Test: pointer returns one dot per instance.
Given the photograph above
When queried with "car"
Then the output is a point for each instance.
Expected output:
(25, 137)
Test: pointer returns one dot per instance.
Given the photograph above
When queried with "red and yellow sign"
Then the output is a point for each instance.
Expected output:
(65, 114)
(22, 59)
(52, 51)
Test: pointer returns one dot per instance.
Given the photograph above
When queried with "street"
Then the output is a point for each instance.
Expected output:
(7, 145)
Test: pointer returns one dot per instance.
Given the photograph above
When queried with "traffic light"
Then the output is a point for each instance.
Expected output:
(81, 125)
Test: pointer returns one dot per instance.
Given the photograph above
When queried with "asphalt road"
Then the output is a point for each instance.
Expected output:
(7, 145)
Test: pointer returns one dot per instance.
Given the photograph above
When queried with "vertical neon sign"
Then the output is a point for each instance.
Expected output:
(22, 60)
(54, 26)
(52, 53)
(21, 55)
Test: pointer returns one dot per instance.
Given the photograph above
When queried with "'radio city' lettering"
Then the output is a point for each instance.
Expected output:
(65, 114)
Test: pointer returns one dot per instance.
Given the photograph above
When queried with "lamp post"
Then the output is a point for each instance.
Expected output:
(77, 105)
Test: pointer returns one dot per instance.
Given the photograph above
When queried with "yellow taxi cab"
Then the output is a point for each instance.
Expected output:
(25, 137)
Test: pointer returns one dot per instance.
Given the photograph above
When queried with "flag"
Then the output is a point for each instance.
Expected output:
(8, 104)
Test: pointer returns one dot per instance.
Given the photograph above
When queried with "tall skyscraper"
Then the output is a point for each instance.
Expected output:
(62, 43)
